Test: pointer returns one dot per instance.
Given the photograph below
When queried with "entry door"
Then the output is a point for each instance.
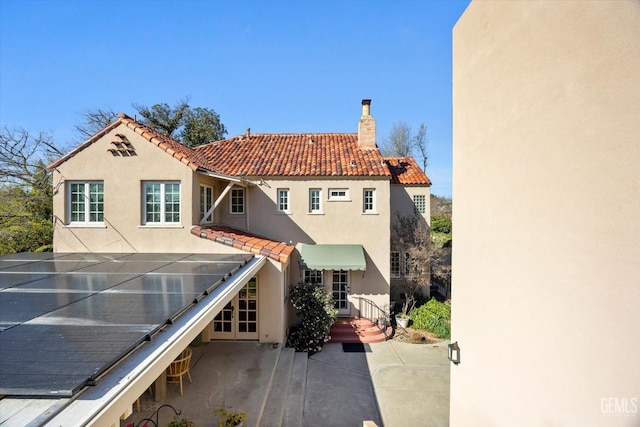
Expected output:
(238, 320)
(340, 289)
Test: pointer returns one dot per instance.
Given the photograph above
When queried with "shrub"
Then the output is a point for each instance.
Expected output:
(317, 312)
(440, 224)
(433, 316)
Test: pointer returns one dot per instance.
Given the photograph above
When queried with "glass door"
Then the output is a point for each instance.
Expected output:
(340, 290)
(238, 320)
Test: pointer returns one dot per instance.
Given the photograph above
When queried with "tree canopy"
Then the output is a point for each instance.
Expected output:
(191, 126)
(402, 142)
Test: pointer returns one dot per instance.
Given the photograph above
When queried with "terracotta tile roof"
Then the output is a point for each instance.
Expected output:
(405, 170)
(244, 241)
(301, 154)
(181, 152)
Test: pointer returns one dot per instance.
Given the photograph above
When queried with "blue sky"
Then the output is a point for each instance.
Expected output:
(273, 66)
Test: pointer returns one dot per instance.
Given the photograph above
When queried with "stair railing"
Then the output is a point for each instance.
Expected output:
(369, 310)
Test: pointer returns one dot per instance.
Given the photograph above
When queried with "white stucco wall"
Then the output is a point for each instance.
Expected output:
(546, 152)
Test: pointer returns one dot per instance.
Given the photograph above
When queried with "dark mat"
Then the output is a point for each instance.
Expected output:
(355, 347)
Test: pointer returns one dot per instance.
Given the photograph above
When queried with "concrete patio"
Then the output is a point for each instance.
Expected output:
(391, 383)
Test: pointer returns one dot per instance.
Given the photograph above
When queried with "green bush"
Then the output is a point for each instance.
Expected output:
(435, 317)
(440, 224)
(317, 312)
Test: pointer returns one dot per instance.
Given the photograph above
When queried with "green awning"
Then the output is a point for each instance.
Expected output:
(333, 257)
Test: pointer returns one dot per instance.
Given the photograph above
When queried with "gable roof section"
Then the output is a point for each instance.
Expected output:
(181, 152)
(405, 171)
(301, 154)
(245, 241)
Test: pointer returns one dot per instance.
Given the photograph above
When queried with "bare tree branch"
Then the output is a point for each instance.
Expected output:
(94, 121)
(23, 157)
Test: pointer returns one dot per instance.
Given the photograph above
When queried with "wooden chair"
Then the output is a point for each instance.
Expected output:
(179, 367)
(150, 390)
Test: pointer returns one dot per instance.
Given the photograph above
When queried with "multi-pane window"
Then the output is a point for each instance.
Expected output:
(206, 202)
(237, 201)
(420, 203)
(313, 276)
(86, 201)
(283, 200)
(162, 202)
(395, 264)
(369, 200)
(315, 200)
(338, 194)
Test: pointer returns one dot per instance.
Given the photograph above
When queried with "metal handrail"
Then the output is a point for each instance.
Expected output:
(370, 310)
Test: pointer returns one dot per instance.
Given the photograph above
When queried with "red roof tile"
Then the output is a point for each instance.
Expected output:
(405, 170)
(243, 240)
(185, 154)
(302, 154)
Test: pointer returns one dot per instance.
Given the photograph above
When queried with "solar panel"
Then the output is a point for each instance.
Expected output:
(66, 318)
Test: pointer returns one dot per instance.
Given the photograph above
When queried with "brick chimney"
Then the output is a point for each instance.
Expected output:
(367, 127)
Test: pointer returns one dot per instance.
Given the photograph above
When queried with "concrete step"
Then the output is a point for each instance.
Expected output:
(294, 409)
(273, 412)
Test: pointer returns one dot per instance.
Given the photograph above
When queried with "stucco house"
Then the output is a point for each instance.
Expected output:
(297, 199)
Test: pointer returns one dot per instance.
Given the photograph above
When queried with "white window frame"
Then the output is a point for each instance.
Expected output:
(420, 207)
(395, 264)
(339, 194)
(163, 203)
(206, 202)
(313, 199)
(284, 200)
(233, 197)
(369, 209)
(313, 276)
(86, 203)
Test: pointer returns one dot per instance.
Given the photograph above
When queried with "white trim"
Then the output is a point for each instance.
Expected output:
(338, 197)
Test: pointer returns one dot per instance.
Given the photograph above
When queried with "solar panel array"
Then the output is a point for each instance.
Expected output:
(66, 318)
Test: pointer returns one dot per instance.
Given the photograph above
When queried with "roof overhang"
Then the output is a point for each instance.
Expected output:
(333, 257)
(240, 181)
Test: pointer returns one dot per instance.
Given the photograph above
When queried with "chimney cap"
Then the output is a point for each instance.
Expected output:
(366, 102)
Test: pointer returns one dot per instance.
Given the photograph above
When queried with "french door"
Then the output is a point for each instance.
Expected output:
(238, 320)
(340, 290)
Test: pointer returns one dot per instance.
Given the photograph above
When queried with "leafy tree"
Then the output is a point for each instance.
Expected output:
(201, 125)
(194, 126)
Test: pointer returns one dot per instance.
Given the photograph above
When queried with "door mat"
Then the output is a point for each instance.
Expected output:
(356, 347)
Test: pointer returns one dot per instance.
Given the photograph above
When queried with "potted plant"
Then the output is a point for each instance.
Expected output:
(181, 422)
(402, 318)
(228, 418)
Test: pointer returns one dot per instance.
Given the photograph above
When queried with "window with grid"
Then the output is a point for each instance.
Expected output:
(395, 264)
(86, 202)
(313, 276)
(206, 202)
(369, 200)
(283, 200)
(341, 194)
(237, 201)
(162, 202)
(315, 199)
(420, 203)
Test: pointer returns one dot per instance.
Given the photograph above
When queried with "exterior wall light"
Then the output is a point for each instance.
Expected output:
(454, 352)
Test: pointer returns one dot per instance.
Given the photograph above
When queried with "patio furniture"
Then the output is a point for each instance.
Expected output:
(150, 390)
(179, 367)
